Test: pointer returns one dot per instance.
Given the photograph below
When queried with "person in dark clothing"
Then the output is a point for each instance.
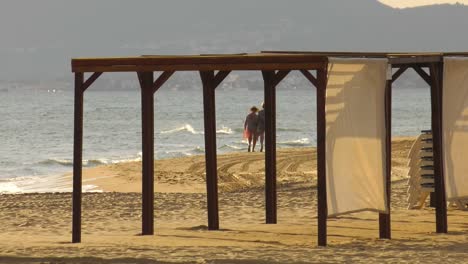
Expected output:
(261, 126)
(250, 128)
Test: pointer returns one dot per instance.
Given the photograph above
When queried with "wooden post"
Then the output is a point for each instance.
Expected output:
(384, 219)
(77, 157)
(209, 112)
(270, 146)
(436, 72)
(321, 159)
(147, 118)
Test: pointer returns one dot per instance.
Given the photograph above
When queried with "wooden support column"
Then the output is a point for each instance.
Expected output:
(271, 79)
(210, 81)
(384, 219)
(321, 159)
(77, 157)
(270, 146)
(80, 88)
(436, 74)
(147, 131)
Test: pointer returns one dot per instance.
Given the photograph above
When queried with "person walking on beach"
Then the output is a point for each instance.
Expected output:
(261, 126)
(250, 128)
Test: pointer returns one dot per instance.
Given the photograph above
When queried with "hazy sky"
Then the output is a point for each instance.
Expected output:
(38, 38)
(413, 3)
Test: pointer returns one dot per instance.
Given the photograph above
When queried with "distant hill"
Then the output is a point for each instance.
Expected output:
(38, 38)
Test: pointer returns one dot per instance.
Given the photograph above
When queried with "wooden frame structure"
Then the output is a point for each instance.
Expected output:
(275, 66)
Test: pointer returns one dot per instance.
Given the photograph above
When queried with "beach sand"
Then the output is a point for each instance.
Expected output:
(36, 228)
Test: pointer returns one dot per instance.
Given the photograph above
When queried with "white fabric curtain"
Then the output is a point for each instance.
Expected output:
(355, 148)
(455, 127)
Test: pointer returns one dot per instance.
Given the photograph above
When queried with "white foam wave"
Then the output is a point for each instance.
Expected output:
(188, 128)
(225, 130)
(228, 146)
(184, 153)
(90, 162)
(9, 187)
(288, 129)
(298, 142)
(184, 128)
(41, 184)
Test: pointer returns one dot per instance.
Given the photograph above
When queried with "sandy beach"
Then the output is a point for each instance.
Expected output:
(36, 228)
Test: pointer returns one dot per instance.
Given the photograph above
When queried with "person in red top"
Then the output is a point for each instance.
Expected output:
(250, 128)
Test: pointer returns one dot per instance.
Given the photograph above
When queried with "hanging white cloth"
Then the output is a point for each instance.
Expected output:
(355, 135)
(455, 127)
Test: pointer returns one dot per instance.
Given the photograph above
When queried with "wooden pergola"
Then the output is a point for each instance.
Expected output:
(274, 66)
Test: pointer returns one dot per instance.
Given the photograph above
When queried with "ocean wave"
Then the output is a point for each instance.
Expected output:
(183, 153)
(188, 128)
(88, 163)
(225, 130)
(282, 129)
(197, 150)
(288, 129)
(228, 146)
(9, 187)
(294, 143)
(184, 128)
(41, 184)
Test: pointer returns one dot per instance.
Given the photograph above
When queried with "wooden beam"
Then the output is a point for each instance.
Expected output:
(414, 59)
(200, 67)
(394, 58)
(161, 80)
(436, 71)
(279, 76)
(270, 146)
(91, 80)
(219, 77)
(385, 219)
(423, 74)
(195, 60)
(399, 72)
(209, 111)
(310, 77)
(321, 158)
(147, 118)
(77, 157)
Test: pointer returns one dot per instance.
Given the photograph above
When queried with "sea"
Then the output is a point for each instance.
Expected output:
(36, 127)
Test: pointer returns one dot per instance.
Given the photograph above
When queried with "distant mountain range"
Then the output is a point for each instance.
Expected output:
(38, 38)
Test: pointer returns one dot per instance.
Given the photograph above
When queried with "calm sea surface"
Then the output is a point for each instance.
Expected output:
(36, 127)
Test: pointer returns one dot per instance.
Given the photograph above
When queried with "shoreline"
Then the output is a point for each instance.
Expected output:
(237, 171)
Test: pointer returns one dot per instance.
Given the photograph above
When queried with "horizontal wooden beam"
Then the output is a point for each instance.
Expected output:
(394, 58)
(356, 54)
(215, 59)
(402, 60)
(202, 67)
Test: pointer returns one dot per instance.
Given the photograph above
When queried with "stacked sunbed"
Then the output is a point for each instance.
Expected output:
(421, 172)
